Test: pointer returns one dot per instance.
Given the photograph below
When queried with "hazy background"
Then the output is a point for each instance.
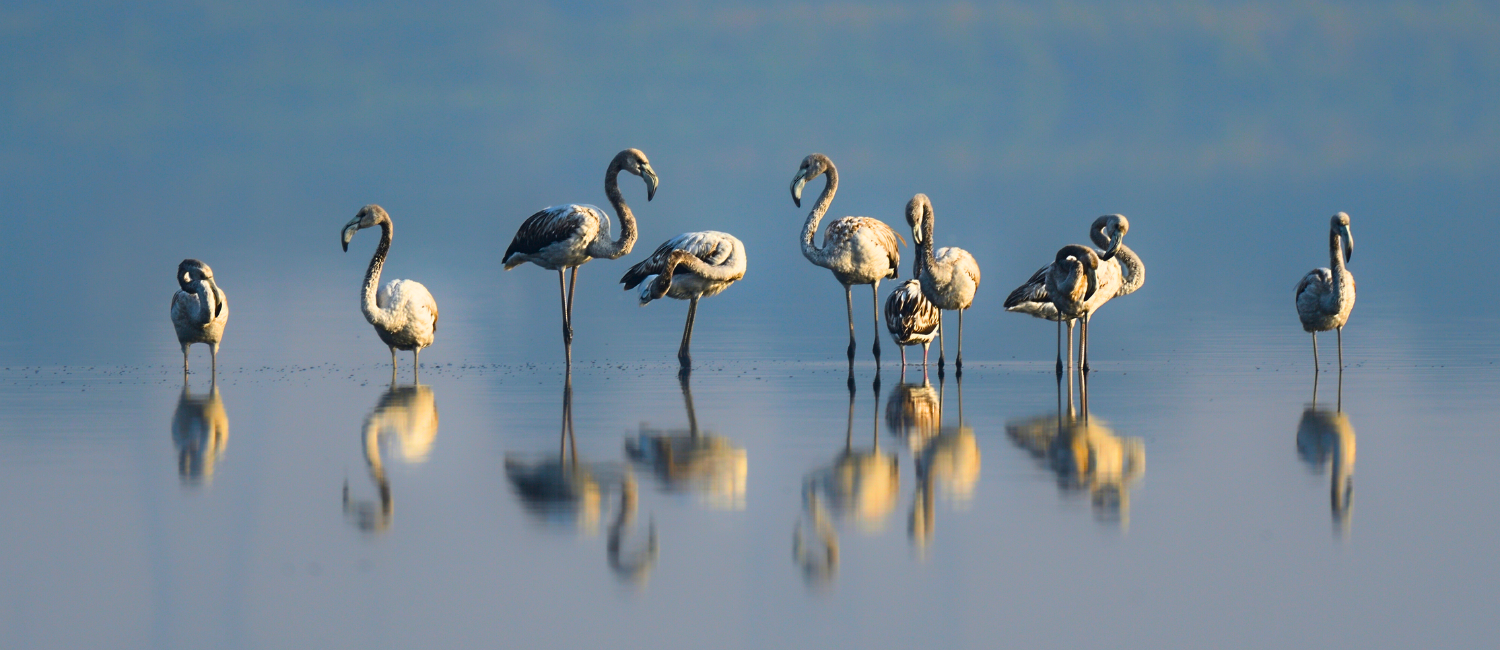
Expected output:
(246, 135)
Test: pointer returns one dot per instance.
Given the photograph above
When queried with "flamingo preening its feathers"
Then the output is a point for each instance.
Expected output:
(688, 267)
(199, 310)
(565, 237)
(1120, 272)
(858, 250)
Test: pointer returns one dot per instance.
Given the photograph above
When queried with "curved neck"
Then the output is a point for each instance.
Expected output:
(810, 250)
(373, 313)
(620, 247)
(1134, 271)
(729, 271)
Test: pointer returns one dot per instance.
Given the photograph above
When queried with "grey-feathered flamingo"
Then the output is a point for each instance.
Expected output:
(1326, 296)
(688, 267)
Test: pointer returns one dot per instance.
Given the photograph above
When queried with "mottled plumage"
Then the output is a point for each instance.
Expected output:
(199, 310)
(1120, 272)
(911, 318)
(858, 250)
(1325, 296)
(565, 237)
(949, 276)
(688, 267)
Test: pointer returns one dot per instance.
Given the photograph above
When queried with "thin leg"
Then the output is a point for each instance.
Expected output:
(1083, 344)
(1341, 349)
(849, 302)
(562, 294)
(393, 361)
(875, 311)
(687, 335)
(958, 359)
(213, 355)
(1059, 351)
(925, 347)
(942, 343)
(1070, 353)
(903, 359)
(1315, 351)
(184, 358)
(572, 292)
(416, 365)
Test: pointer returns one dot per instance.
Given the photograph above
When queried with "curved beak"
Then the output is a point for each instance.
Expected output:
(1114, 246)
(1348, 243)
(797, 182)
(650, 176)
(348, 234)
(1093, 282)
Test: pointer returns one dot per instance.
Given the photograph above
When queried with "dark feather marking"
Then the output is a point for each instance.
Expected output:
(539, 231)
(1035, 290)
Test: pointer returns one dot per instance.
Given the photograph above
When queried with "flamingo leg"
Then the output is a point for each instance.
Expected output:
(925, 347)
(416, 365)
(903, 359)
(1341, 348)
(849, 302)
(875, 311)
(687, 334)
(942, 343)
(958, 359)
(185, 358)
(1070, 353)
(1315, 351)
(1059, 351)
(1083, 344)
(567, 327)
(213, 353)
(393, 364)
(572, 291)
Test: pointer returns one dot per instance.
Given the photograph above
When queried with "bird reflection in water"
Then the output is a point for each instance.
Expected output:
(200, 430)
(561, 490)
(690, 461)
(947, 462)
(1326, 442)
(1084, 453)
(861, 485)
(408, 416)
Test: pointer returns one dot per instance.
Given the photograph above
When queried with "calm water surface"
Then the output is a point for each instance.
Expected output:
(1203, 498)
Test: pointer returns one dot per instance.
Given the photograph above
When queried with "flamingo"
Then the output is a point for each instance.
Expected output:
(858, 250)
(199, 311)
(1326, 296)
(404, 314)
(949, 276)
(564, 237)
(1120, 273)
(712, 261)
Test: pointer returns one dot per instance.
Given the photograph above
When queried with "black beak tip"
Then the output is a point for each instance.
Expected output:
(346, 246)
(797, 201)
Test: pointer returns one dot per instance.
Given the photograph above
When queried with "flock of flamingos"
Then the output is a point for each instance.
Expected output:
(695, 265)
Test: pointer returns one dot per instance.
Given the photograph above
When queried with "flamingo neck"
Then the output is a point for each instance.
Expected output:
(1132, 266)
(926, 255)
(810, 249)
(1336, 252)
(373, 312)
(620, 247)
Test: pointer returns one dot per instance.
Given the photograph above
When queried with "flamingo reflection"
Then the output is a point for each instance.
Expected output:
(692, 461)
(200, 430)
(1326, 442)
(861, 485)
(407, 416)
(1085, 454)
(562, 490)
(947, 463)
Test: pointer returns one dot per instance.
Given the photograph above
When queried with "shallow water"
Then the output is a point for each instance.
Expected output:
(303, 502)
(1201, 501)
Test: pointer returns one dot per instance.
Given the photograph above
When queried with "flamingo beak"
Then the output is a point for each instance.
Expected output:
(348, 234)
(797, 182)
(1114, 246)
(651, 181)
(1348, 244)
(1093, 282)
